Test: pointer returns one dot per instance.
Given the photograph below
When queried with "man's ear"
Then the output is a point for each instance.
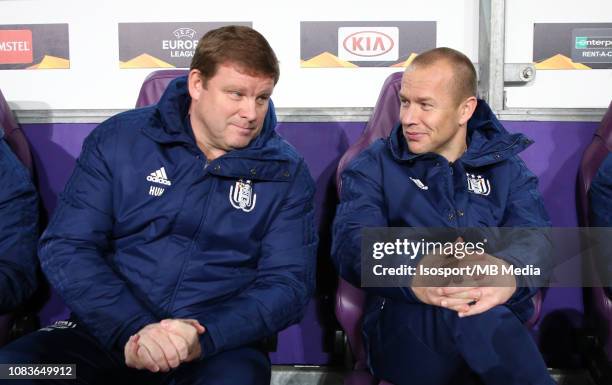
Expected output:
(466, 109)
(195, 82)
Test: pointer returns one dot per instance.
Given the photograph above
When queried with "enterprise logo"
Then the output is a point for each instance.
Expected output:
(585, 42)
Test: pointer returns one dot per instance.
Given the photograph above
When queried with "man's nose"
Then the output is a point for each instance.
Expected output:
(408, 115)
(248, 109)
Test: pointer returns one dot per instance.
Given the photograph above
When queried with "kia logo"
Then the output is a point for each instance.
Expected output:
(368, 43)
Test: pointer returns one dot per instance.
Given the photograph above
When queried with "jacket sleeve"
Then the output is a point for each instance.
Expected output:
(362, 204)
(600, 195)
(18, 232)
(600, 215)
(529, 241)
(285, 277)
(75, 247)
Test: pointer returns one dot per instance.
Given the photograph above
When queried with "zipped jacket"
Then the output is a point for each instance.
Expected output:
(488, 186)
(147, 229)
(18, 231)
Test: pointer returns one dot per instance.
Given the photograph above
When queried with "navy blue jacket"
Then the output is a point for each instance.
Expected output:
(600, 206)
(388, 186)
(600, 195)
(146, 230)
(18, 231)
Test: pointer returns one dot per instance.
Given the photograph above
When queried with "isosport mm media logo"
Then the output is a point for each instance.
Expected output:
(585, 42)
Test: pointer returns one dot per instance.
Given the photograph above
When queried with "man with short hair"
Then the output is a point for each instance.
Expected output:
(18, 231)
(185, 235)
(420, 177)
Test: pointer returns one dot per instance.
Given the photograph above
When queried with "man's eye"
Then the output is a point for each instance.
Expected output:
(404, 102)
(262, 99)
(426, 106)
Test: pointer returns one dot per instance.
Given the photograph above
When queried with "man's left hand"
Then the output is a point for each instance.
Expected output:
(180, 337)
(489, 297)
(493, 290)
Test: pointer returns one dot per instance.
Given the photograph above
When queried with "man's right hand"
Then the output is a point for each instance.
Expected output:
(189, 331)
(164, 345)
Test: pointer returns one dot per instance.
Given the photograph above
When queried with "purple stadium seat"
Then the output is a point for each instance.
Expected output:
(349, 299)
(18, 143)
(599, 302)
(13, 134)
(155, 84)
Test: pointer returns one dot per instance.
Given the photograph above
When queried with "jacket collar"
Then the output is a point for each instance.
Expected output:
(170, 121)
(263, 158)
(488, 140)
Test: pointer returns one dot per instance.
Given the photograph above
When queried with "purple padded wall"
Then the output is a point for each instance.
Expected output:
(555, 159)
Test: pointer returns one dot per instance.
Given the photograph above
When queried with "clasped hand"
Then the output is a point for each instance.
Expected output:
(473, 296)
(164, 345)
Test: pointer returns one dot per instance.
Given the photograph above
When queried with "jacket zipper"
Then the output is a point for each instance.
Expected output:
(195, 238)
